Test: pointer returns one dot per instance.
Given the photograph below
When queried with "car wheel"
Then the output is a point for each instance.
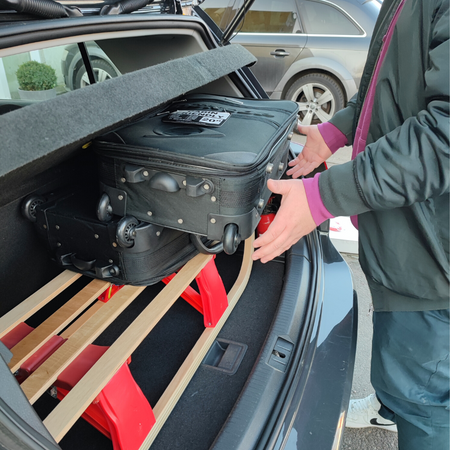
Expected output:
(319, 97)
(102, 71)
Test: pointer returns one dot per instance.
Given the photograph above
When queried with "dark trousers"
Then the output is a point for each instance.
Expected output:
(410, 374)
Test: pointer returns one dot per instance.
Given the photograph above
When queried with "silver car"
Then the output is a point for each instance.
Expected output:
(310, 51)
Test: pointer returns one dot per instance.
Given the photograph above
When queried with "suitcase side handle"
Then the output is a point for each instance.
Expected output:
(164, 182)
(82, 264)
(101, 270)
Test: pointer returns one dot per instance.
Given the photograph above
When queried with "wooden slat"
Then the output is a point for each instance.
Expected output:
(73, 405)
(46, 374)
(82, 320)
(36, 301)
(56, 322)
(173, 392)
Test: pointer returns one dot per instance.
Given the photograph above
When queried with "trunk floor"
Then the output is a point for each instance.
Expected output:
(200, 413)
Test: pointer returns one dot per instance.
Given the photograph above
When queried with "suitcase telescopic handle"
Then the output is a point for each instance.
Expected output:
(203, 247)
(229, 244)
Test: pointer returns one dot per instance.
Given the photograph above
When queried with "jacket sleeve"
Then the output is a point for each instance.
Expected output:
(343, 119)
(411, 163)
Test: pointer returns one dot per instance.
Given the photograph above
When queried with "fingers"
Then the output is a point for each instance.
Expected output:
(292, 221)
(295, 161)
(271, 236)
(297, 172)
(273, 242)
(267, 252)
(296, 165)
(303, 167)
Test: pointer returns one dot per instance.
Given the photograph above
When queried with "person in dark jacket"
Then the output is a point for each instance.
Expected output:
(396, 188)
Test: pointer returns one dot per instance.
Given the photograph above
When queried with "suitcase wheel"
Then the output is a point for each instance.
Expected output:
(104, 208)
(231, 239)
(126, 231)
(29, 206)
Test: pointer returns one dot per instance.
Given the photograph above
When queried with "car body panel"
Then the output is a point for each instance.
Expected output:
(317, 64)
(309, 47)
(270, 67)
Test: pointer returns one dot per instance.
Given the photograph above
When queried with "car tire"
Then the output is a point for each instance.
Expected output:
(319, 97)
(102, 71)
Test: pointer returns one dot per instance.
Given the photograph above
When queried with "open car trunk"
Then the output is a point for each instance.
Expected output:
(282, 357)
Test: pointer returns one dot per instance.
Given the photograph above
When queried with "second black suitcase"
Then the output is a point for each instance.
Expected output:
(200, 165)
(123, 251)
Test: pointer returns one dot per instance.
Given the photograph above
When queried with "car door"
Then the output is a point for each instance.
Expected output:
(272, 31)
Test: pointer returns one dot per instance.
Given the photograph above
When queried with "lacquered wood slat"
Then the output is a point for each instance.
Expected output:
(46, 374)
(56, 322)
(81, 320)
(36, 301)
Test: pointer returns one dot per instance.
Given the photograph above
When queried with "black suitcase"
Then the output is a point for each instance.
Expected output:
(123, 251)
(199, 165)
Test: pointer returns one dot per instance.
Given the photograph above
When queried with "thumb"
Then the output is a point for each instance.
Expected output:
(278, 186)
(303, 129)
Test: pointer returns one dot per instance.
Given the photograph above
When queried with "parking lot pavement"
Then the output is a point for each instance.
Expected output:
(363, 438)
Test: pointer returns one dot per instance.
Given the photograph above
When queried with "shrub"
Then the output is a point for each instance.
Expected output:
(36, 76)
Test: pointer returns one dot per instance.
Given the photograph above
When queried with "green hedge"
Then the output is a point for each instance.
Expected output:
(36, 76)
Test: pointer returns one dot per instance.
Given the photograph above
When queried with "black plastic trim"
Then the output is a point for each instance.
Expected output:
(298, 364)
(87, 62)
(236, 21)
(44, 30)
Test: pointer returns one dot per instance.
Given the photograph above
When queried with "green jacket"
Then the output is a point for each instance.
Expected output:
(399, 185)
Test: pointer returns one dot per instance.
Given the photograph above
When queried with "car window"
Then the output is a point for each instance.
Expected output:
(271, 16)
(42, 74)
(220, 11)
(34, 75)
(325, 18)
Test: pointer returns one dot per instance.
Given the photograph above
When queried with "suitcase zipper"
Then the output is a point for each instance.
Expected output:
(241, 116)
(232, 102)
(187, 162)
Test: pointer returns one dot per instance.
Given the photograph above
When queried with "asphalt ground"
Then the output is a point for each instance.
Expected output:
(361, 438)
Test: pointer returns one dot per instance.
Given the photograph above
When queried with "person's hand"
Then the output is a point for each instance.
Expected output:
(292, 221)
(314, 153)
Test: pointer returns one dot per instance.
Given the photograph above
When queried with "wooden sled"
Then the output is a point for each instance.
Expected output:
(78, 330)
